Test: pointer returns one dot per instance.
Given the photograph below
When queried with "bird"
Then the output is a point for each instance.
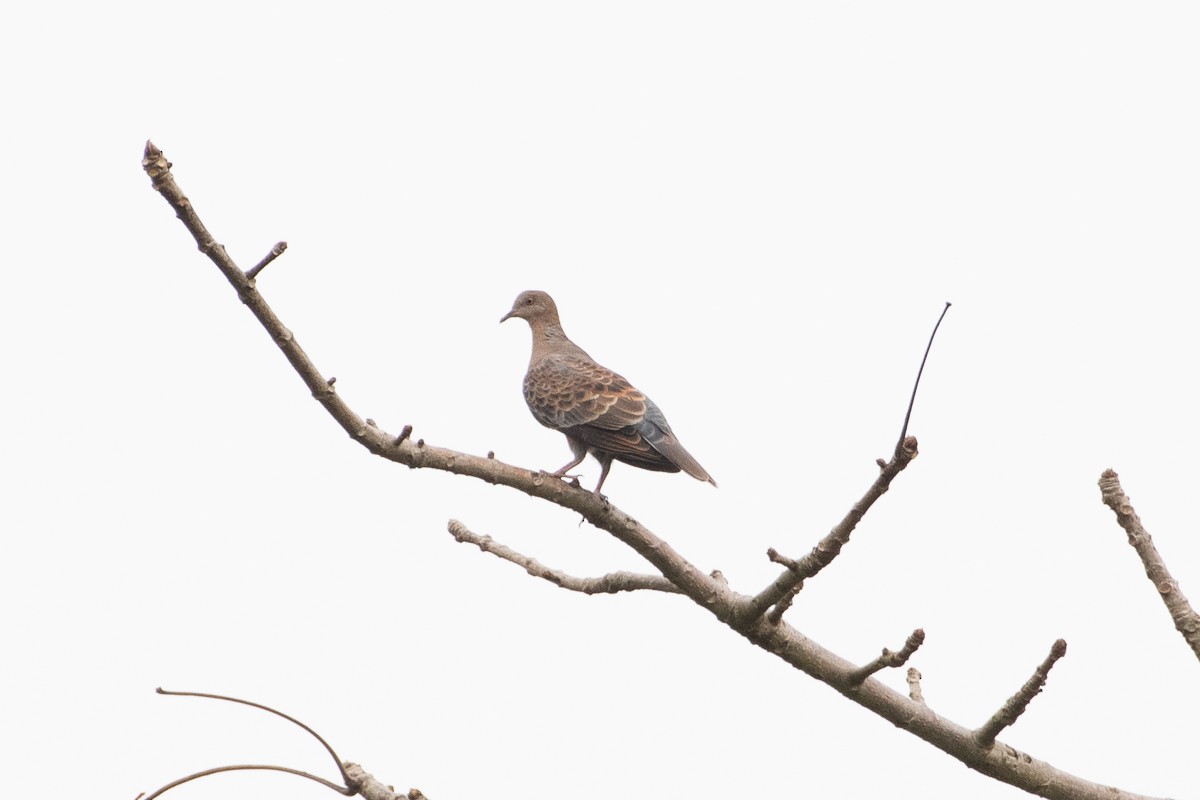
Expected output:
(599, 411)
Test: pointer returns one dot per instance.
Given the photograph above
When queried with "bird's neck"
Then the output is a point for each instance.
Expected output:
(548, 338)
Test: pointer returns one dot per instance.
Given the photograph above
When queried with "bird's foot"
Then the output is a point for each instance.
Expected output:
(571, 479)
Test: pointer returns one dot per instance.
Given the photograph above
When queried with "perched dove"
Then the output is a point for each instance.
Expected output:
(598, 410)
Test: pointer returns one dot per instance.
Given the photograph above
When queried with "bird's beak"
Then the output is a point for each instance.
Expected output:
(508, 315)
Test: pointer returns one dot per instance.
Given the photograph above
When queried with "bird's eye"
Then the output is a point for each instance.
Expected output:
(528, 301)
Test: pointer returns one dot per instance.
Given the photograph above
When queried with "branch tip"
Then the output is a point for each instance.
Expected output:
(405, 432)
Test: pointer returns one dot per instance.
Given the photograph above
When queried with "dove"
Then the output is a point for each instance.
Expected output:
(598, 411)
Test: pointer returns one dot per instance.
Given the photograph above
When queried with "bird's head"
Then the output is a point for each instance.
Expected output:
(533, 305)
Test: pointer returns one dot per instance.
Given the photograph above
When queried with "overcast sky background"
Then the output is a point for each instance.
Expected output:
(755, 212)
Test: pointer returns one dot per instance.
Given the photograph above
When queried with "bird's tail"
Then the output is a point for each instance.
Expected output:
(666, 444)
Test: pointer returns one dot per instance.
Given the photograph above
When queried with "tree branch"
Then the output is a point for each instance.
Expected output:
(611, 583)
(828, 548)
(889, 659)
(1187, 622)
(1015, 706)
(746, 615)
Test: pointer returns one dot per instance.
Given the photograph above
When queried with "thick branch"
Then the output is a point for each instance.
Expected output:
(611, 583)
(1187, 622)
(1015, 706)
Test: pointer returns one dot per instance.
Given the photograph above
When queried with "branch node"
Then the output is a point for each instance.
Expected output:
(331, 382)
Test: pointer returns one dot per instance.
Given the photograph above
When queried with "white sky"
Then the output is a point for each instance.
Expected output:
(754, 212)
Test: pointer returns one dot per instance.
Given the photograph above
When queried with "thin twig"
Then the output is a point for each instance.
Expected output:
(912, 400)
(889, 659)
(605, 584)
(260, 706)
(1187, 622)
(1015, 706)
(275, 253)
(239, 767)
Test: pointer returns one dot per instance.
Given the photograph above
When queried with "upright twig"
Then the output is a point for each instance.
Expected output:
(917, 383)
(1015, 706)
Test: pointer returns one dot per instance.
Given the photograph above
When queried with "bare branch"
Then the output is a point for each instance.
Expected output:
(746, 615)
(275, 253)
(889, 659)
(829, 547)
(782, 592)
(1187, 622)
(1015, 706)
(599, 511)
(914, 686)
(240, 767)
(270, 710)
(606, 584)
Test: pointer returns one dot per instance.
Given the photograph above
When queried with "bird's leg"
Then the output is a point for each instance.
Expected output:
(605, 464)
(561, 472)
(580, 451)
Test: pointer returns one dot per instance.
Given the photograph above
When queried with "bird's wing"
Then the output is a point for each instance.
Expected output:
(567, 392)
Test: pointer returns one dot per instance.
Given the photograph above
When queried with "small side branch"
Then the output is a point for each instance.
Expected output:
(827, 549)
(1016, 705)
(605, 584)
(1187, 622)
(889, 659)
(275, 253)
